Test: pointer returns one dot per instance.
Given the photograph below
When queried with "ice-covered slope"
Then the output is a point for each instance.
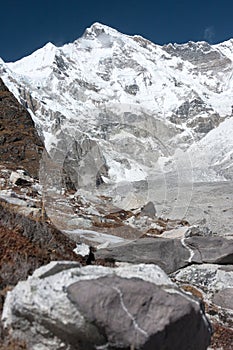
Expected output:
(128, 102)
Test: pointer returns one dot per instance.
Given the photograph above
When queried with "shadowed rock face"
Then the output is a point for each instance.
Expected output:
(20, 145)
(132, 312)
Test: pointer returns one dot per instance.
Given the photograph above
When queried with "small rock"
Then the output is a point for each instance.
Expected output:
(215, 250)
(149, 210)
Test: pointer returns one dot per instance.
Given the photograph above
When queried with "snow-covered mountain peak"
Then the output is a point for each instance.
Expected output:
(138, 100)
(38, 64)
(97, 29)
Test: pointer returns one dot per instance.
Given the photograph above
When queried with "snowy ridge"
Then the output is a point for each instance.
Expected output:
(139, 101)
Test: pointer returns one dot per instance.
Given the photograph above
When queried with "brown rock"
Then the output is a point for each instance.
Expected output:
(20, 145)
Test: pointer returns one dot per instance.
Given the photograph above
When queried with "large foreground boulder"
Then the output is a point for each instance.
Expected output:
(63, 306)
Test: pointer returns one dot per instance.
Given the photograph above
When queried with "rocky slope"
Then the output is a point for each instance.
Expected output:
(20, 145)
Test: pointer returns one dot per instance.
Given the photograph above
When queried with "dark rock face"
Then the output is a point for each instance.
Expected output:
(132, 89)
(139, 314)
(192, 112)
(84, 165)
(20, 145)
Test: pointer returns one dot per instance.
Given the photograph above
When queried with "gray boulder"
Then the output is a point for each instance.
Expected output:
(169, 254)
(172, 254)
(95, 307)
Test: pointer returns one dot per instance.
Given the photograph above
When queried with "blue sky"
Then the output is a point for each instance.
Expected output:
(26, 25)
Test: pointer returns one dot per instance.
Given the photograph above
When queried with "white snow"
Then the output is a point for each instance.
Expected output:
(214, 148)
(37, 65)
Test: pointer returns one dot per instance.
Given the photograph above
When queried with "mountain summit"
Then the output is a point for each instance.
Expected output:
(146, 106)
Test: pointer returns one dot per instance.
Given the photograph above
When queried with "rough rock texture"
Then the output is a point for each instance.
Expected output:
(20, 144)
(209, 277)
(172, 254)
(214, 284)
(83, 308)
(84, 163)
(110, 299)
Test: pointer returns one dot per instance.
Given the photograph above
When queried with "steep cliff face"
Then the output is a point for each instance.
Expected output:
(20, 145)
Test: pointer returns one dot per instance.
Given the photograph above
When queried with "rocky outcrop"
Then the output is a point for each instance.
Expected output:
(200, 54)
(68, 307)
(199, 117)
(20, 145)
(215, 250)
